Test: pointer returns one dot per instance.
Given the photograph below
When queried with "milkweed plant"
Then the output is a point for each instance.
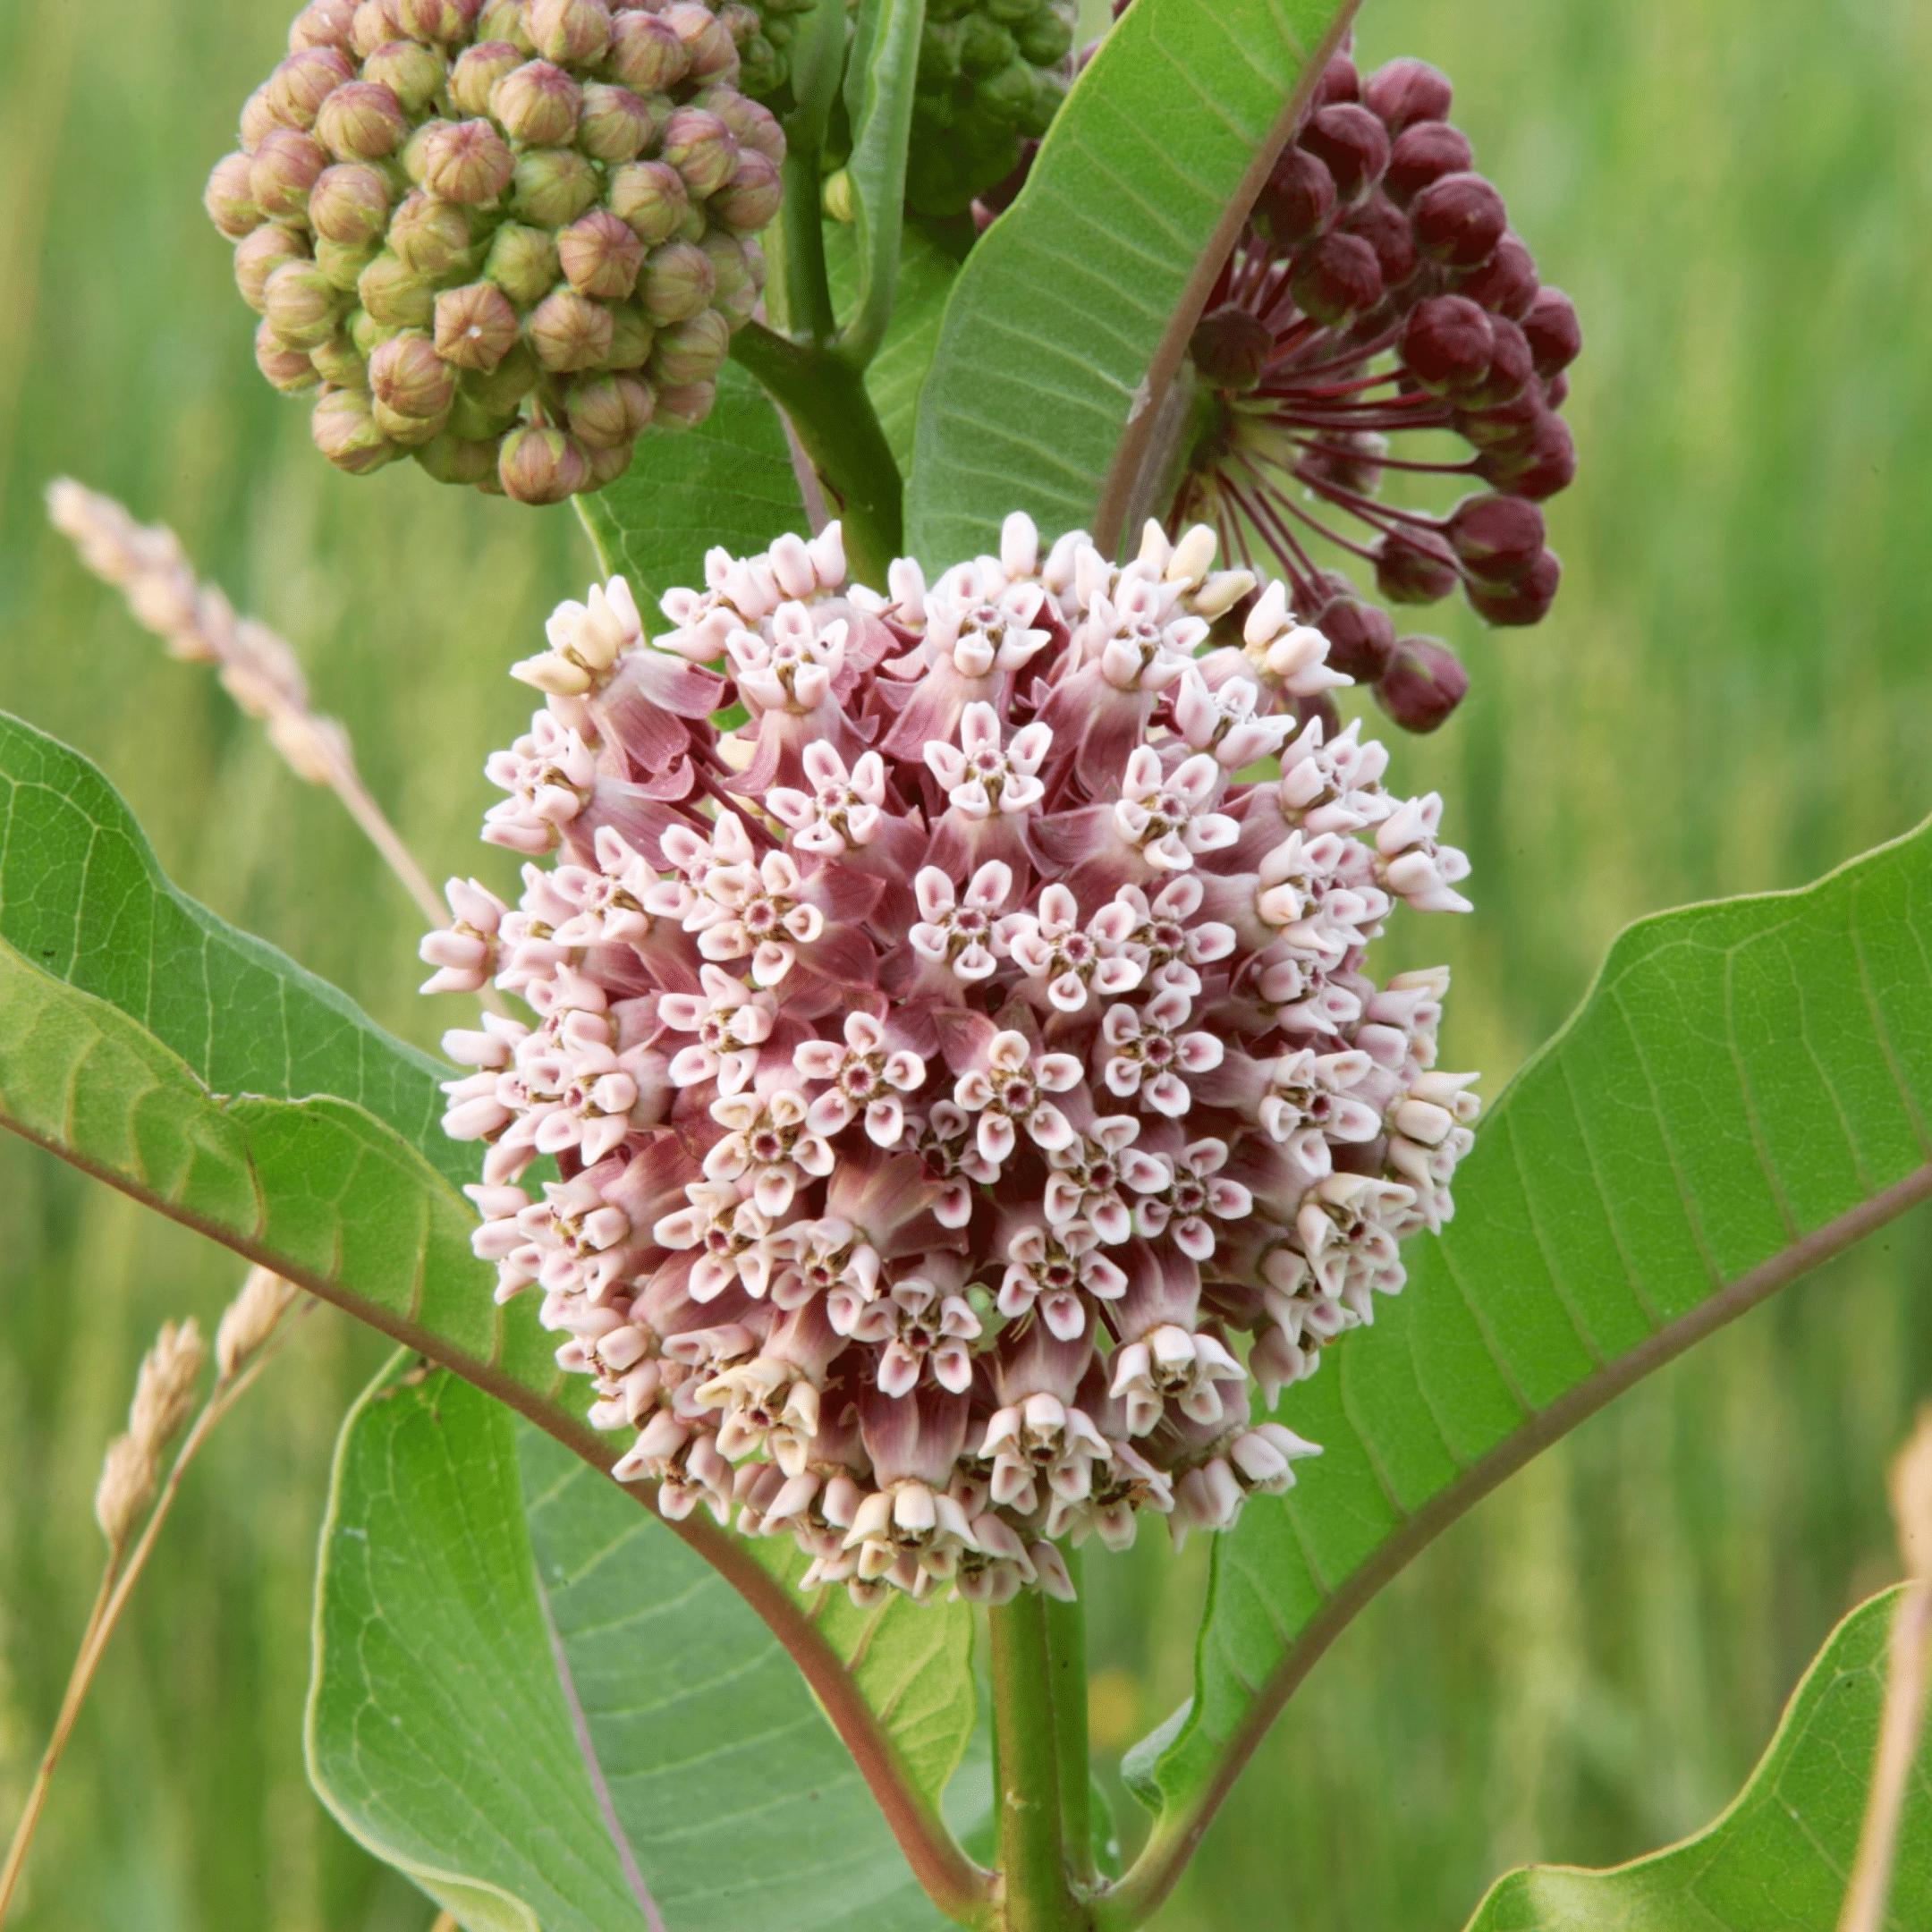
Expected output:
(933, 1105)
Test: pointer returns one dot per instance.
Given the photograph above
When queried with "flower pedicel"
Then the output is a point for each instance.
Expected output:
(949, 1066)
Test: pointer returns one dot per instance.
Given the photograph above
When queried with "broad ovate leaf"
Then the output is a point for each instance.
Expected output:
(1072, 316)
(1746, 1091)
(1778, 1858)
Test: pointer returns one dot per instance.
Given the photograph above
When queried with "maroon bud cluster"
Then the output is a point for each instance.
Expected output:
(501, 236)
(1378, 288)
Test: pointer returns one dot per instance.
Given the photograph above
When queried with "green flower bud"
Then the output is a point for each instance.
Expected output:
(684, 405)
(701, 149)
(259, 255)
(475, 326)
(230, 198)
(836, 197)
(371, 26)
(690, 352)
(615, 124)
(454, 459)
(569, 331)
(349, 204)
(752, 125)
(391, 293)
(541, 466)
(303, 81)
(676, 282)
(645, 54)
(259, 117)
(406, 431)
(631, 337)
(466, 161)
(289, 370)
(649, 196)
(434, 21)
(749, 201)
(938, 59)
(601, 256)
(608, 411)
(537, 104)
(714, 55)
(477, 71)
(607, 465)
(523, 262)
(554, 186)
(368, 335)
(345, 431)
(573, 32)
(411, 72)
(761, 68)
(302, 305)
(343, 262)
(322, 23)
(1047, 38)
(285, 165)
(985, 46)
(361, 121)
(503, 19)
(338, 362)
(431, 237)
(409, 378)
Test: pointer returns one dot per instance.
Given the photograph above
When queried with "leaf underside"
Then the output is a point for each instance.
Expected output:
(1745, 1090)
(1780, 1858)
(1072, 314)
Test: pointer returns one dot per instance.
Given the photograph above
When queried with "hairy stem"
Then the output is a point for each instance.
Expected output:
(1066, 1645)
(826, 398)
(1034, 1894)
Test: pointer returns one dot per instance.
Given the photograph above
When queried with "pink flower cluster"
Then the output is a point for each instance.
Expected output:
(966, 1094)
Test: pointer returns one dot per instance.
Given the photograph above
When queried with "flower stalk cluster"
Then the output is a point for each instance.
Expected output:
(969, 1100)
(502, 236)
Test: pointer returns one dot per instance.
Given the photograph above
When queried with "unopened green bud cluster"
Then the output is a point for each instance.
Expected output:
(501, 236)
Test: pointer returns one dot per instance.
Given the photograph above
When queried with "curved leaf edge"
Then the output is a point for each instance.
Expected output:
(1183, 1818)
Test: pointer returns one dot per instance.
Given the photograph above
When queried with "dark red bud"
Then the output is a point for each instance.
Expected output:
(1508, 426)
(1512, 369)
(1556, 390)
(1339, 81)
(1497, 538)
(1360, 637)
(1298, 201)
(1506, 284)
(1525, 601)
(1230, 348)
(1423, 153)
(1544, 463)
(1336, 277)
(1351, 143)
(1386, 230)
(1459, 220)
(1414, 566)
(1423, 684)
(1448, 343)
(1321, 707)
(1407, 91)
(1555, 336)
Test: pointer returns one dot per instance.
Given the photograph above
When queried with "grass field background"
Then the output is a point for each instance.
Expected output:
(1732, 694)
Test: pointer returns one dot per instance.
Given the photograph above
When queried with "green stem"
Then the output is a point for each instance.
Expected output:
(1034, 1891)
(1066, 1643)
(817, 63)
(825, 399)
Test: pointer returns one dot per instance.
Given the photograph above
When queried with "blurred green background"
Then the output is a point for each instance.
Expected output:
(1732, 694)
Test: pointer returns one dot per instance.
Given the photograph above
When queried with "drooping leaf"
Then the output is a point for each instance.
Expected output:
(878, 98)
(896, 374)
(1745, 1091)
(745, 1812)
(1779, 1858)
(438, 1732)
(728, 481)
(1071, 317)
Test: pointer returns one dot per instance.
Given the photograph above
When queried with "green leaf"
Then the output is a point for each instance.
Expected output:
(1745, 1091)
(728, 481)
(1072, 316)
(878, 95)
(743, 1810)
(1779, 1859)
(896, 374)
(438, 1732)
